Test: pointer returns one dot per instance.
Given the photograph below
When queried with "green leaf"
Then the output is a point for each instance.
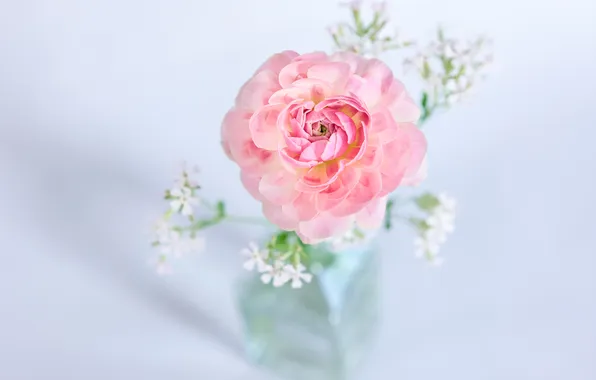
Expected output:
(375, 33)
(426, 71)
(282, 237)
(325, 260)
(440, 34)
(321, 257)
(461, 71)
(280, 242)
(296, 258)
(427, 201)
(420, 224)
(426, 110)
(372, 26)
(360, 30)
(447, 65)
(388, 214)
(424, 101)
(200, 224)
(221, 209)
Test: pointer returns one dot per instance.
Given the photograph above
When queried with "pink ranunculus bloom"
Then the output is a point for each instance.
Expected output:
(321, 141)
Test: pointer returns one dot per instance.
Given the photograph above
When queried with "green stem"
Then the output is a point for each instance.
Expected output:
(208, 204)
(404, 218)
(246, 219)
(206, 223)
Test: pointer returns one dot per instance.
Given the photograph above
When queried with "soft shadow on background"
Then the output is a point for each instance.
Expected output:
(99, 101)
(73, 203)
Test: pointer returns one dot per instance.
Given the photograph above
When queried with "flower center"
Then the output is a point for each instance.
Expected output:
(322, 129)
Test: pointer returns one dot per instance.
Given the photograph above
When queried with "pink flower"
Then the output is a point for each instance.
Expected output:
(322, 140)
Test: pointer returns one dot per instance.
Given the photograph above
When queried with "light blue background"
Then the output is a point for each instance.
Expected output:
(100, 99)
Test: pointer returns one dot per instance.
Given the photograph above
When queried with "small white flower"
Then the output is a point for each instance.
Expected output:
(350, 238)
(379, 7)
(162, 266)
(341, 242)
(447, 202)
(436, 261)
(443, 216)
(453, 98)
(196, 244)
(447, 49)
(171, 244)
(465, 82)
(256, 258)
(186, 178)
(162, 230)
(434, 79)
(436, 235)
(426, 247)
(459, 47)
(275, 272)
(452, 86)
(354, 4)
(442, 221)
(175, 245)
(297, 275)
(183, 201)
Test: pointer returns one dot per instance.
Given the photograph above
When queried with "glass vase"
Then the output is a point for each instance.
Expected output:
(321, 331)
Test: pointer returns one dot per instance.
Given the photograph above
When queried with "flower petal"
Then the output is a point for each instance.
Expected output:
(418, 177)
(338, 190)
(352, 59)
(293, 72)
(302, 208)
(369, 186)
(323, 227)
(383, 128)
(401, 106)
(256, 92)
(278, 61)
(278, 187)
(335, 73)
(234, 127)
(417, 148)
(372, 157)
(263, 127)
(348, 126)
(320, 177)
(251, 184)
(313, 151)
(335, 146)
(276, 216)
(371, 217)
(396, 158)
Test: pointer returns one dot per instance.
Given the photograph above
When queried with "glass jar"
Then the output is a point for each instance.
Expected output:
(322, 330)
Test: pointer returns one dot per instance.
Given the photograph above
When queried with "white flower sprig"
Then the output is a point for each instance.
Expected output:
(367, 38)
(296, 274)
(352, 237)
(434, 229)
(256, 257)
(183, 197)
(449, 68)
(280, 262)
(175, 233)
(174, 241)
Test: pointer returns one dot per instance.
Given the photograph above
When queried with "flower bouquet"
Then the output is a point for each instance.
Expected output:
(322, 142)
